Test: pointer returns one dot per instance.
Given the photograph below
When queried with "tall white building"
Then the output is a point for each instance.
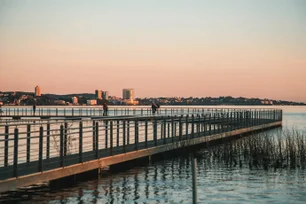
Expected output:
(128, 94)
(105, 95)
(98, 94)
(37, 91)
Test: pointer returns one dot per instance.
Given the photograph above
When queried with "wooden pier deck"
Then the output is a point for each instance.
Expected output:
(47, 150)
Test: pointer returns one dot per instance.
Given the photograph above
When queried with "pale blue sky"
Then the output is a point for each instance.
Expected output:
(202, 48)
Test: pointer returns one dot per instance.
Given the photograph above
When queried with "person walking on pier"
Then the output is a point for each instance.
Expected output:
(154, 108)
(34, 108)
(105, 109)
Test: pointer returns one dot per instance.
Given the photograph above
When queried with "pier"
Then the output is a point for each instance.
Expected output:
(34, 151)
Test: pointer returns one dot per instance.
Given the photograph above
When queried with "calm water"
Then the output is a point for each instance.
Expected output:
(169, 181)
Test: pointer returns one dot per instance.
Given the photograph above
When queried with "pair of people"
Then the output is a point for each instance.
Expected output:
(154, 107)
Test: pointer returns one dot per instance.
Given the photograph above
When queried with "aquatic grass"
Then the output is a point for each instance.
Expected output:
(266, 150)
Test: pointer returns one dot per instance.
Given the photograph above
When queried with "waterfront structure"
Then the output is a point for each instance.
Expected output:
(91, 102)
(75, 100)
(128, 94)
(37, 91)
(98, 94)
(100, 146)
(105, 95)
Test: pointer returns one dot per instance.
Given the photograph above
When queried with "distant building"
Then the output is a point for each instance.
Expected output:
(91, 102)
(75, 100)
(98, 94)
(267, 102)
(131, 102)
(129, 97)
(128, 94)
(37, 91)
(60, 102)
(105, 95)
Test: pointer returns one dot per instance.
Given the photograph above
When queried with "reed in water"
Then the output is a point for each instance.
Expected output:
(268, 150)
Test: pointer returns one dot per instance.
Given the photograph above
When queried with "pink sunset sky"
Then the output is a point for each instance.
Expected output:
(159, 48)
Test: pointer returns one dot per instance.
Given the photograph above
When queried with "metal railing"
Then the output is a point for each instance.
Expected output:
(31, 146)
(98, 111)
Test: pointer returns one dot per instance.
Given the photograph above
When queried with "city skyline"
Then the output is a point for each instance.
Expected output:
(172, 49)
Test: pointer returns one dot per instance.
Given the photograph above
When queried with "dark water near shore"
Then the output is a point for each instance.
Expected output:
(169, 181)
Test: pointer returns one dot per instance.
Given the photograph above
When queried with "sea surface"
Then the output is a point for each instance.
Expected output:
(169, 180)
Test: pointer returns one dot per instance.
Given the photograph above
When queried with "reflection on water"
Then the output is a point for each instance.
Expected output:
(169, 181)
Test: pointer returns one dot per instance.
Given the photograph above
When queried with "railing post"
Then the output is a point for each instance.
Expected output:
(164, 130)
(146, 133)
(6, 145)
(93, 135)
(168, 124)
(106, 134)
(236, 121)
(281, 115)
(118, 132)
(15, 171)
(28, 142)
(97, 140)
(48, 141)
(209, 121)
(124, 136)
(180, 128)
(136, 134)
(128, 132)
(187, 125)
(62, 146)
(40, 158)
(111, 137)
(198, 125)
(172, 128)
(204, 124)
(81, 142)
(155, 131)
(65, 139)
(257, 117)
(192, 126)
(215, 129)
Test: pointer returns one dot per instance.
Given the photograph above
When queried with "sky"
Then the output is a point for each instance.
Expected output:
(171, 48)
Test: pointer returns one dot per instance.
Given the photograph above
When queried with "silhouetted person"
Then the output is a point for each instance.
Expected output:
(154, 108)
(34, 109)
(105, 109)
